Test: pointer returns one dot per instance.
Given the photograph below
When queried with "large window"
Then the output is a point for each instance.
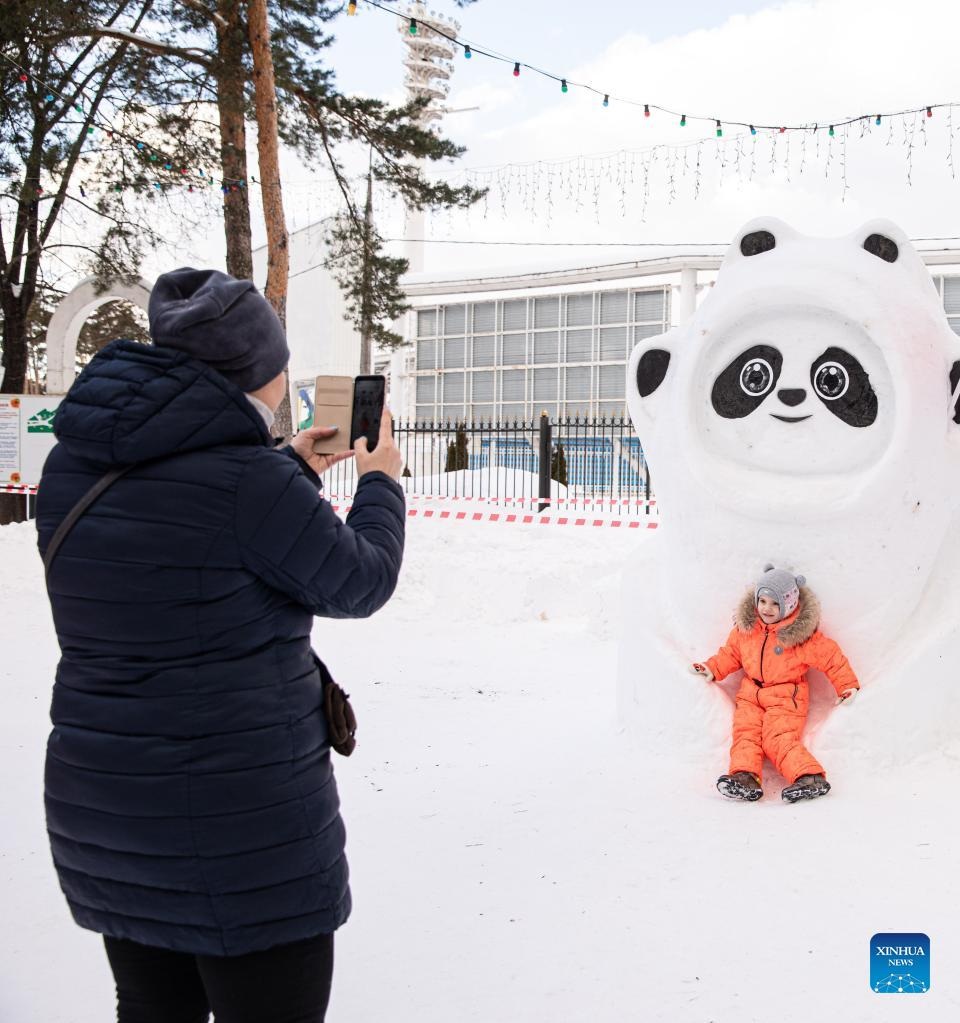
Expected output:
(950, 290)
(514, 358)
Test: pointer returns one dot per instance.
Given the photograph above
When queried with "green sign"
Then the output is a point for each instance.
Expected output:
(41, 422)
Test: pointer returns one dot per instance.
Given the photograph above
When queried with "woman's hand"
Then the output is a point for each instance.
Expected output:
(702, 670)
(847, 696)
(386, 456)
(303, 445)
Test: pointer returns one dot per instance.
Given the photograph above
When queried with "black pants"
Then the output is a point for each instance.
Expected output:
(284, 984)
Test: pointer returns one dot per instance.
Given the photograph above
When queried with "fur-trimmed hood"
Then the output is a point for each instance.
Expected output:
(795, 629)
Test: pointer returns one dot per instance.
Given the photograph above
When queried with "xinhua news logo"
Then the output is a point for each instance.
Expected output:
(900, 964)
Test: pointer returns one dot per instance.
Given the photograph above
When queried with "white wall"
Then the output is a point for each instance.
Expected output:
(321, 340)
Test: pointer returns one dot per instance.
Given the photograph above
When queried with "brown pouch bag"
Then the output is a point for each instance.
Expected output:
(341, 721)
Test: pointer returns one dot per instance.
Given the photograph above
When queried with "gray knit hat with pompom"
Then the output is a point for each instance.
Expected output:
(781, 586)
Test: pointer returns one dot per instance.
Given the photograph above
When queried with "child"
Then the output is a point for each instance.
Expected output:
(775, 640)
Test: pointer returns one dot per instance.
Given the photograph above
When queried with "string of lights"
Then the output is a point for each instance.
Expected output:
(154, 157)
(607, 97)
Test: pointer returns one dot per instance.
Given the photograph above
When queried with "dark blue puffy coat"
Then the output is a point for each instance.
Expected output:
(190, 798)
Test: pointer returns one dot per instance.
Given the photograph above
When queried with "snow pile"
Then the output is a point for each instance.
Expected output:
(513, 857)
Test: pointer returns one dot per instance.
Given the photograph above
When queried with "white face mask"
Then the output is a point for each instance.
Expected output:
(262, 408)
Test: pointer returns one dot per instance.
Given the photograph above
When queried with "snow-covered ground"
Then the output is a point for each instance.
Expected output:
(514, 857)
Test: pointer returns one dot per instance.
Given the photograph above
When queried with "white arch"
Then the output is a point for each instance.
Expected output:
(71, 314)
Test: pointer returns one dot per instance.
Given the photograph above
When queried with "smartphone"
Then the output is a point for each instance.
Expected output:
(369, 393)
(355, 405)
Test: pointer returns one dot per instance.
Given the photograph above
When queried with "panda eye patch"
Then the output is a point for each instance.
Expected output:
(844, 387)
(744, 384)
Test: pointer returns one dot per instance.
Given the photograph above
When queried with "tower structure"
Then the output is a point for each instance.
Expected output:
(428, 59)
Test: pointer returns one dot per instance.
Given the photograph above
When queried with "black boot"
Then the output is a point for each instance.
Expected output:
(807, 786)
(740, 785)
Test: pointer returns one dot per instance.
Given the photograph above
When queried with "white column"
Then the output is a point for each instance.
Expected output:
(687, 298)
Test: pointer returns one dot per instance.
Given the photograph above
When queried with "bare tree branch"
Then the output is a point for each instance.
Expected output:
(190, 53)
(212, 15)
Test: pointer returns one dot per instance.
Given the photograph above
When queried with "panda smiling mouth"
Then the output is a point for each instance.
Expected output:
(789, 419)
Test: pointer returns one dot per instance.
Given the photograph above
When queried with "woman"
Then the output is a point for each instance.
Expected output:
(191, 806)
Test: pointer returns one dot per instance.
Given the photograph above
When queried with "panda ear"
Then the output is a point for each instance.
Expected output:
(883, 247)
(756, 242)
(647, 373)
(769, 567)
(801, 580)
(651, 369)
(955, 390)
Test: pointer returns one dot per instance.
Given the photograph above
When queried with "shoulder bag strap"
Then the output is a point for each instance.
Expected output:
(77, 510)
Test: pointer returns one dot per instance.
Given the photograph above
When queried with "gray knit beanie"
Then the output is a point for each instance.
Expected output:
(781, 586)
(220, 320)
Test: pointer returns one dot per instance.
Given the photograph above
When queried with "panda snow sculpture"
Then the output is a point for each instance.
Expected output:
(807, 415)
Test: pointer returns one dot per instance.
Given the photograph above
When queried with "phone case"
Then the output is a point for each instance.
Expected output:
(333, 406)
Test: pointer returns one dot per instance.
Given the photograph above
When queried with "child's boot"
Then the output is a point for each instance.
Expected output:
(740, 785)
(807, 786)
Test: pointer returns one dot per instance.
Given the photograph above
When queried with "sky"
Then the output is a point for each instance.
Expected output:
(816, 61)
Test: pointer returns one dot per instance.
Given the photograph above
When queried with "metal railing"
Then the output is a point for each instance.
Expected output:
(568, 463)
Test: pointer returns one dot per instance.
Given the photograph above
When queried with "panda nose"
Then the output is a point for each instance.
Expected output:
(792, 396)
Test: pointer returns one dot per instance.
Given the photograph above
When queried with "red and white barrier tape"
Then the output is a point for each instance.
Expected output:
(559, 502)
(17, 488)
(523, 519)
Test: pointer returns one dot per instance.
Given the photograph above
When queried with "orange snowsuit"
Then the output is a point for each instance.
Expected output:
(774, 697)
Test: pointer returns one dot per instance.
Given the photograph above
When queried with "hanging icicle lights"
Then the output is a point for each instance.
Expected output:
(567, 84)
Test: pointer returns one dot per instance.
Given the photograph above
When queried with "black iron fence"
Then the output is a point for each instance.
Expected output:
(569, 463)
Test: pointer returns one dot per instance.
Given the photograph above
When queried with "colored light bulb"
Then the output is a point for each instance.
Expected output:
(782, 130)
(831, 131)
(929, 111)
(878, 118)
(753, 131)
(467, 53)
(23, 78)
(683, 120)
(90, 130)
(646, 109)
(719, 130)
(413, 26)
(516, 70)
(606, 101)
(563, 85)
(49, 97)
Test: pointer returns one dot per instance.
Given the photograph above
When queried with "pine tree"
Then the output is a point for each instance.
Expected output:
(558, 465)
(458, 450)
